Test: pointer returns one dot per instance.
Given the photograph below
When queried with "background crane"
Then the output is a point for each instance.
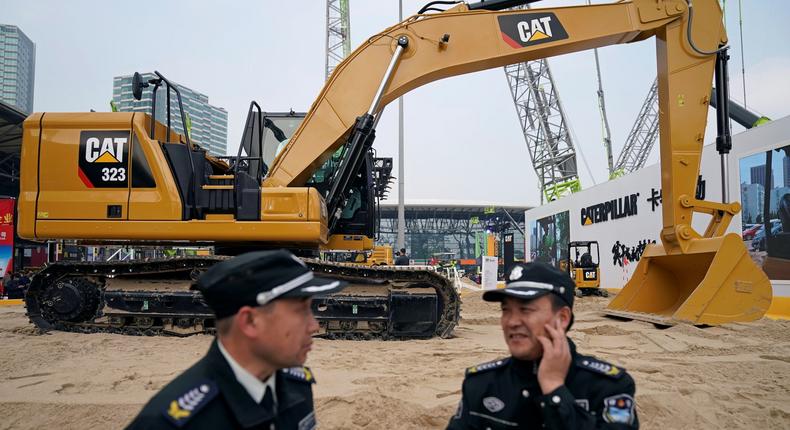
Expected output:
(642, 137)
(338, 33)
(545, 127)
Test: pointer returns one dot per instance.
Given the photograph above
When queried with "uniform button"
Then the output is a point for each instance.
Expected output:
(555, 399)
(542, 405)
(271, 426)
(525, 393)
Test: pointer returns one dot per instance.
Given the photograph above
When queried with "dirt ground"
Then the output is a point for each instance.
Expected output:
(732, 376)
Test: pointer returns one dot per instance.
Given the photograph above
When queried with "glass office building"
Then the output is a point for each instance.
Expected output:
(17, 68)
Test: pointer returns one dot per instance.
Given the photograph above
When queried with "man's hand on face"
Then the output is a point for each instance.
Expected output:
(556, 358)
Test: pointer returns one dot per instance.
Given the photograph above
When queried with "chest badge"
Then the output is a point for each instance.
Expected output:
(493, 404)
(619, 409)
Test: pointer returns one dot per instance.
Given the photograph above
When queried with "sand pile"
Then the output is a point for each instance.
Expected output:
(733, 376)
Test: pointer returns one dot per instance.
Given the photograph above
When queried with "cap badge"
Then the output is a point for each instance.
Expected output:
(516, 273)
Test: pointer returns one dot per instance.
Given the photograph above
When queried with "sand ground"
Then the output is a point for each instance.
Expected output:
(732, 376)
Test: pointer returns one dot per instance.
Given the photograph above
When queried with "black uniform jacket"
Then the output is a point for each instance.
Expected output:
(208, 396)
(505, 394)
(402, 260)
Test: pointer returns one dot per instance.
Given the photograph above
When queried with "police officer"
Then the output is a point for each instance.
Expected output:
(252, 376)
(545, 383)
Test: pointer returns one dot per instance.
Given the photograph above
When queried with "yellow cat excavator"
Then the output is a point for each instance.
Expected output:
(124, 177)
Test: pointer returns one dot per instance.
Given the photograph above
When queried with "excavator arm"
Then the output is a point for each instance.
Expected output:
(469, 38)
(482, 39)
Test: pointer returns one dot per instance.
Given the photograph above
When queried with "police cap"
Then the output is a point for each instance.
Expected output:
(258, 278)
(528, 281)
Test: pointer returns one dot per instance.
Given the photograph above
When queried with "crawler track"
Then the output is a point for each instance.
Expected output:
(153, 298)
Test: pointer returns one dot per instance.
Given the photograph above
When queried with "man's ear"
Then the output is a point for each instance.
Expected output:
(245, 321)
(564, 314)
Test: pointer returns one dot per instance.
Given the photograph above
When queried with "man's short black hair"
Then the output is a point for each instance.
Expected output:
(403, 250)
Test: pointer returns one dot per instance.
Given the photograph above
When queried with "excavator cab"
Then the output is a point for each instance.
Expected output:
(265, 134)
(584, 268)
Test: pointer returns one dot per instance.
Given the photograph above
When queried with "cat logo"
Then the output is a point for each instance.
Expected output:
(526, 29)
(103, 159)
(535, 29)
(105, 150)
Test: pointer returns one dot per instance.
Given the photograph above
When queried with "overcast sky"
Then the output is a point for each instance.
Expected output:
(463, 140)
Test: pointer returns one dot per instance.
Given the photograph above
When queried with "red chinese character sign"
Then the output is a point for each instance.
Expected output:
(6, 235)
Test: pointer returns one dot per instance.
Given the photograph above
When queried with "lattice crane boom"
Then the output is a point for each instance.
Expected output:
(544, 126)
(642, 137)
(338, 33)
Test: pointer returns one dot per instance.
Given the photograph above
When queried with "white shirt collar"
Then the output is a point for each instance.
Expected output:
(254, 386)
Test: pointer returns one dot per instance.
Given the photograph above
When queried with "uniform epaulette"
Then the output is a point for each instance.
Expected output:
(598, 366)
(300, 373)
(180, 410)
(484, 367)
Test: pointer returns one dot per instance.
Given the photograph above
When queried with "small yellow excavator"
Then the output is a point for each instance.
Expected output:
(125, 177)
(584, 258)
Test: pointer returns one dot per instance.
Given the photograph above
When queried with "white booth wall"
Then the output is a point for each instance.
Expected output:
(644, 222)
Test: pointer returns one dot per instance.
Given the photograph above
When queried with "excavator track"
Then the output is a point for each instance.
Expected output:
(153, 298)
(408, 300)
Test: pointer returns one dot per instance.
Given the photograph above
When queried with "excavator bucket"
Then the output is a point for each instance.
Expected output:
(715, 282)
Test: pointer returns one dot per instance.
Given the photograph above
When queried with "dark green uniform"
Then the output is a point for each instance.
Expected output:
(505, 394)
(208, 396)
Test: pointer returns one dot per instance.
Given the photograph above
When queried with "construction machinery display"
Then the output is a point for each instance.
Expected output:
(125, 177)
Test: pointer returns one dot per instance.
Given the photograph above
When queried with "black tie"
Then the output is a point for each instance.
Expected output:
(268, 400)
